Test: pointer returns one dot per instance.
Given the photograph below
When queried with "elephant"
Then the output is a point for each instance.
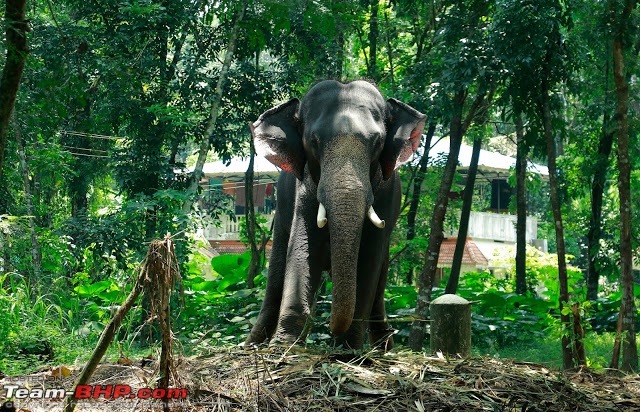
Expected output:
(338, 200)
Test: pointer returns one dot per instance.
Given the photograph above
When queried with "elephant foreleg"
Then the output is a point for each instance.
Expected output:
(304, 265)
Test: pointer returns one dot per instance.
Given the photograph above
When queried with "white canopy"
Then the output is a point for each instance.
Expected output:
(488, 161)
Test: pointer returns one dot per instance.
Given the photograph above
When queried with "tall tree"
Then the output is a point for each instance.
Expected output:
(16, 28)
(374, 33)
(535, 67)
(620, 25)
(426, 281)
(567, 349)
(205, 143)
(521, 207)
(416, 192)
(594, 235)
(592, 134)
(465, 69)
(467, 198)
(463, 227)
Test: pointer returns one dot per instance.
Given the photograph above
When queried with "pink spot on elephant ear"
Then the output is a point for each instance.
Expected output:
(415, 137)
(280, 161)
(287, 167)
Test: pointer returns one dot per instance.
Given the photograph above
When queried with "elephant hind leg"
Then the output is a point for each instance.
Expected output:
(380, 332)
(267, 321)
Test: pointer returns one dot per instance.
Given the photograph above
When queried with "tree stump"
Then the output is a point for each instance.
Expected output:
(451, 325)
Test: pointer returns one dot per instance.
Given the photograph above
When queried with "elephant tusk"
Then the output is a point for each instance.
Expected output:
(373, 216)
(322, 216)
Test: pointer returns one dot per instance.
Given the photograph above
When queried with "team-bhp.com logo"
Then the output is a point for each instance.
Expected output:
(95, 392)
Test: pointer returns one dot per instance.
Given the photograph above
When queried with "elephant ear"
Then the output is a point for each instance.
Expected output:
(404, 131)
(276, 137)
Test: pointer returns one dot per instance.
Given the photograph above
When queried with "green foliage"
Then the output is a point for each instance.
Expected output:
(219, 309)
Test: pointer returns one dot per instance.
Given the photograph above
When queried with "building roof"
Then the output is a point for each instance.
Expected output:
(472, 255)
(235, 169)
(240, 165)
(489, 163)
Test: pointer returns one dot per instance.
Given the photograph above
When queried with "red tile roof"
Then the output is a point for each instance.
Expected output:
(472, 255)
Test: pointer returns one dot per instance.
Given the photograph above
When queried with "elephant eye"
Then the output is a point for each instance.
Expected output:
(314, 142)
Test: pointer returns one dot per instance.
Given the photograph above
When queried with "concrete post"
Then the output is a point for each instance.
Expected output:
(451, 325)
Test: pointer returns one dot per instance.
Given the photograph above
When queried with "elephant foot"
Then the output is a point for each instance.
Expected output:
(382, 341)
(259, 335)
(293, 329)
(352, 339)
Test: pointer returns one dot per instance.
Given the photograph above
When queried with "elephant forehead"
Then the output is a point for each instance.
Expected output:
(355, 95)
(333, 121)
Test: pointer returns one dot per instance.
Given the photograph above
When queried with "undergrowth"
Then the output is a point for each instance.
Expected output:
(218, 310)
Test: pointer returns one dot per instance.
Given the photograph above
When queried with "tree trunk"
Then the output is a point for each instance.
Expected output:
(456, 266)
(627, 305)
(594, 234)
(36, 256)
(390, 52)
(569, 350)
(250, 221)
(213, 116)
(372, 70)
(417, 190)
(16, 27)
(426, 281)
(521, 208)
(428, 273)
(597, 190)
(338, 40)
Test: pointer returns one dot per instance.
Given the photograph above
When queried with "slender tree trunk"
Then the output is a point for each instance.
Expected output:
(597, 191)
(569, 350)
(213, 116)
(250, 221)
(428, 273)
(338, 40)
(426, 280)
(615, 357)
(374, 31)
(390, 52)
(463, 229)
(595, 222)
(16, 27)
(36, 257)
(627, 305)
(521, 208)
(417, 190)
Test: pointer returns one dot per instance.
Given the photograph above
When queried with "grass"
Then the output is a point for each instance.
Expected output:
(548, 352)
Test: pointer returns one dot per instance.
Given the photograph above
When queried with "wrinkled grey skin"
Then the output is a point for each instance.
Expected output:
(341, 146)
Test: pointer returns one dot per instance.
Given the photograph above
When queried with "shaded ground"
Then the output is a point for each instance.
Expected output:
(299, 380)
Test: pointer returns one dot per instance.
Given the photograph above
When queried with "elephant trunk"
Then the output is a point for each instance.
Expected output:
(345, 228)
(345, 191)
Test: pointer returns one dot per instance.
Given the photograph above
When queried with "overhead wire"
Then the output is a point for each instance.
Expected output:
(90, 135)
(100, 136)
(86, 155)
(86, 149)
